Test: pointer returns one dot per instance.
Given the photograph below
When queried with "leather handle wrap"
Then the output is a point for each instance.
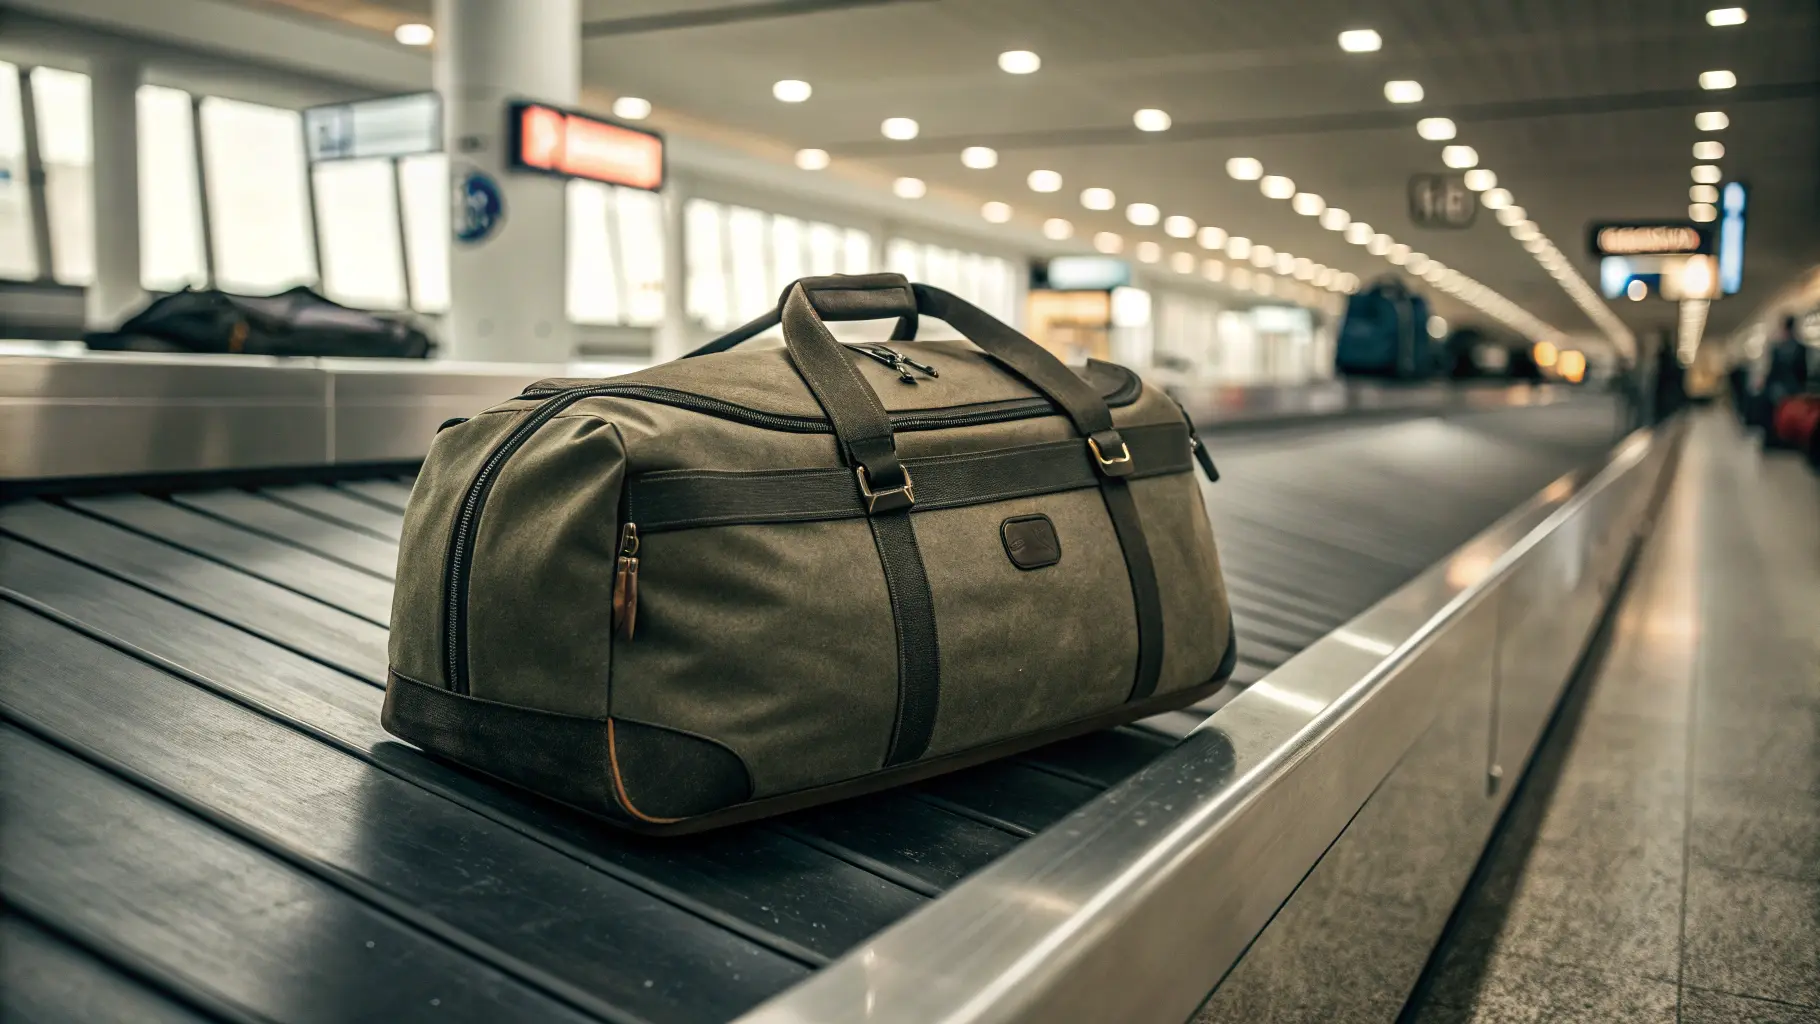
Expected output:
(835, 297)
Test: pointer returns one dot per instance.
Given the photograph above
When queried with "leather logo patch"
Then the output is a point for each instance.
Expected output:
(1031, 541)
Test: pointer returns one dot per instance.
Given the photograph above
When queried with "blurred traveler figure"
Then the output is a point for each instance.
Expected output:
(1671, 382)
(1787, 376)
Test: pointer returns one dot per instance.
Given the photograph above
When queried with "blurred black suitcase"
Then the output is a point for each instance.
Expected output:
(297, 322)
(1385, 334)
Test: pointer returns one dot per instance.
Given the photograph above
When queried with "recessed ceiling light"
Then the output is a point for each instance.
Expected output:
(1044, 181)
(1324, 277)
(1238, 247)
(899, 128)
(1098, 199)
(1151, 119)
(414, 34)
(1712, 121)
(979, 157)
(1285, 263)
(1262, 255)
(1240, 278)
(1108, 243)
(1399, 253)
(1460, 157)
(1212, 238)
(1707, 174)
(1524, 230)
(1303, 268)
(1143, 214)
(1717, 79)
(1707, 149)
(1637, 290)
(1019, 62)
(1182, 262)
(997, 213)
(1213, 270)
(1149, 252)
(1179, 227)
(1724, 16)
(631, 108)
(1403, 91)
(1360, 40)
(1496, 199)
(1307, 204)
(909, 188)
(1703, 194)
(1335, 219)
(1275, 186)
(1436, 129)
(1536, 244)
(1244, 168)
(1512, 215)
(1263, 284)
(791, 90)
(812, 159)
(1056, 229)
(1702, 212)
(1480, 178)
(1358, 232)
(1416, 263)
(1379, 244)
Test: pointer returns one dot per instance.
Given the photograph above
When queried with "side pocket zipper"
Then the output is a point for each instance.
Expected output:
(625, 583)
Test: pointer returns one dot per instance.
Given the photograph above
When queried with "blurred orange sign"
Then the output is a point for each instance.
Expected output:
(578, 146)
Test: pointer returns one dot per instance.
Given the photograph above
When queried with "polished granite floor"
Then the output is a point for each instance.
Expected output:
(1662, 861)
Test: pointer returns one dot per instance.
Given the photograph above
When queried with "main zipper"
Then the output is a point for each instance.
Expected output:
(461, 548)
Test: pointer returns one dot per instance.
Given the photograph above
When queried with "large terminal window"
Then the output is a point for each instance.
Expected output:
(18, 250)
(593, 283)
(989, 282)
(61, 101)
(741, 259)
(357, 221)
(423, 186)
(171, 250)
(258, 200)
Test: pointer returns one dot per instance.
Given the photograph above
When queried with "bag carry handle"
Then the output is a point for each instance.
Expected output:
(835, 297)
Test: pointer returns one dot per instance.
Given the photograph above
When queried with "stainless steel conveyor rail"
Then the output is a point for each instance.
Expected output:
(204, 817)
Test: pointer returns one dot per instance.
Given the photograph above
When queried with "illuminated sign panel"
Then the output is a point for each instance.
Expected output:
(1650, 239)
(390, 126)
(1083, 273)
(1731, 236)
(578, 146)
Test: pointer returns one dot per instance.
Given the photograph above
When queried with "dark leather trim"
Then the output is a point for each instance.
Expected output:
(1030, 541)
(685, 499)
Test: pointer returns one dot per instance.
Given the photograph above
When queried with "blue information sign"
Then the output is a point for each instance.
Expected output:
(479, 207)
(1731, 237)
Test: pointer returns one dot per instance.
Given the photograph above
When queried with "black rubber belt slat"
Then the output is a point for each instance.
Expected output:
(296, 528)
(88, 848)
(924, 842)
(299, 623)
(335, 506)
(508, 901)
(1014, 793)
(388, 494)
(804, 900)
(1100, 759)
(332, 583)
(46, 980)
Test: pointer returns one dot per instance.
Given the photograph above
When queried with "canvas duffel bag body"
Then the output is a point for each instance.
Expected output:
(754, 580)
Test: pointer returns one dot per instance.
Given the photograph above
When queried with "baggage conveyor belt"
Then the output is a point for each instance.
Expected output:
(204, 820)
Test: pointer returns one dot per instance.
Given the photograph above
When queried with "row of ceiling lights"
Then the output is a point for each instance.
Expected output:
(1703, 194)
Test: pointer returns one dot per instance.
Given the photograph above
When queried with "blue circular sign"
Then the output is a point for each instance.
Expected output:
(479, 207)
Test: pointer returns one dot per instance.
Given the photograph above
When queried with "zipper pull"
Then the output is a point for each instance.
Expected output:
(1202, 456)
(625, 583)
(923, 368)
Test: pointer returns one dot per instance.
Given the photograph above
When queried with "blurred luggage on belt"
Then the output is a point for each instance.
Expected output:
(1385, 334)
(297, 322)
(749, 581)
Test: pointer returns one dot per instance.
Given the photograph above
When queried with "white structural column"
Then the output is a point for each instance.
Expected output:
(114, 101)
(507, 298)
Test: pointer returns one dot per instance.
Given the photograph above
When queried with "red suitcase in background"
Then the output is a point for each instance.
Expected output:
(1796, 424)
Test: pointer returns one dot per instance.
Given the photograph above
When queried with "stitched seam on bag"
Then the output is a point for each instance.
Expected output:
(619, 784)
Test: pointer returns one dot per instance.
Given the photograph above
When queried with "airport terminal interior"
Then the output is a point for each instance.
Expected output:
(1454, 368)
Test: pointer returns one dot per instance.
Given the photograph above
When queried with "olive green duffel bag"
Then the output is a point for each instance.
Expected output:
(750, 581)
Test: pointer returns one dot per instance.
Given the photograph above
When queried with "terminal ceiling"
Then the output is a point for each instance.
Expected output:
(1584, 110)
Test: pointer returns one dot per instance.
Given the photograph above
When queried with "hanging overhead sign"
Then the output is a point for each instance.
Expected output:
(1652, 239)
(573, 145)
(389, 126)
(1732, 200)
(1441, 201)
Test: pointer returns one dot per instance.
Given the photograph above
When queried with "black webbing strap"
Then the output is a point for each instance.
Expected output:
(682, 499)
(1093, 419)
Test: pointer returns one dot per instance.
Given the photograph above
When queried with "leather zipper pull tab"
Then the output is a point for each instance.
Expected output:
(1205, 458)
(625, 583)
